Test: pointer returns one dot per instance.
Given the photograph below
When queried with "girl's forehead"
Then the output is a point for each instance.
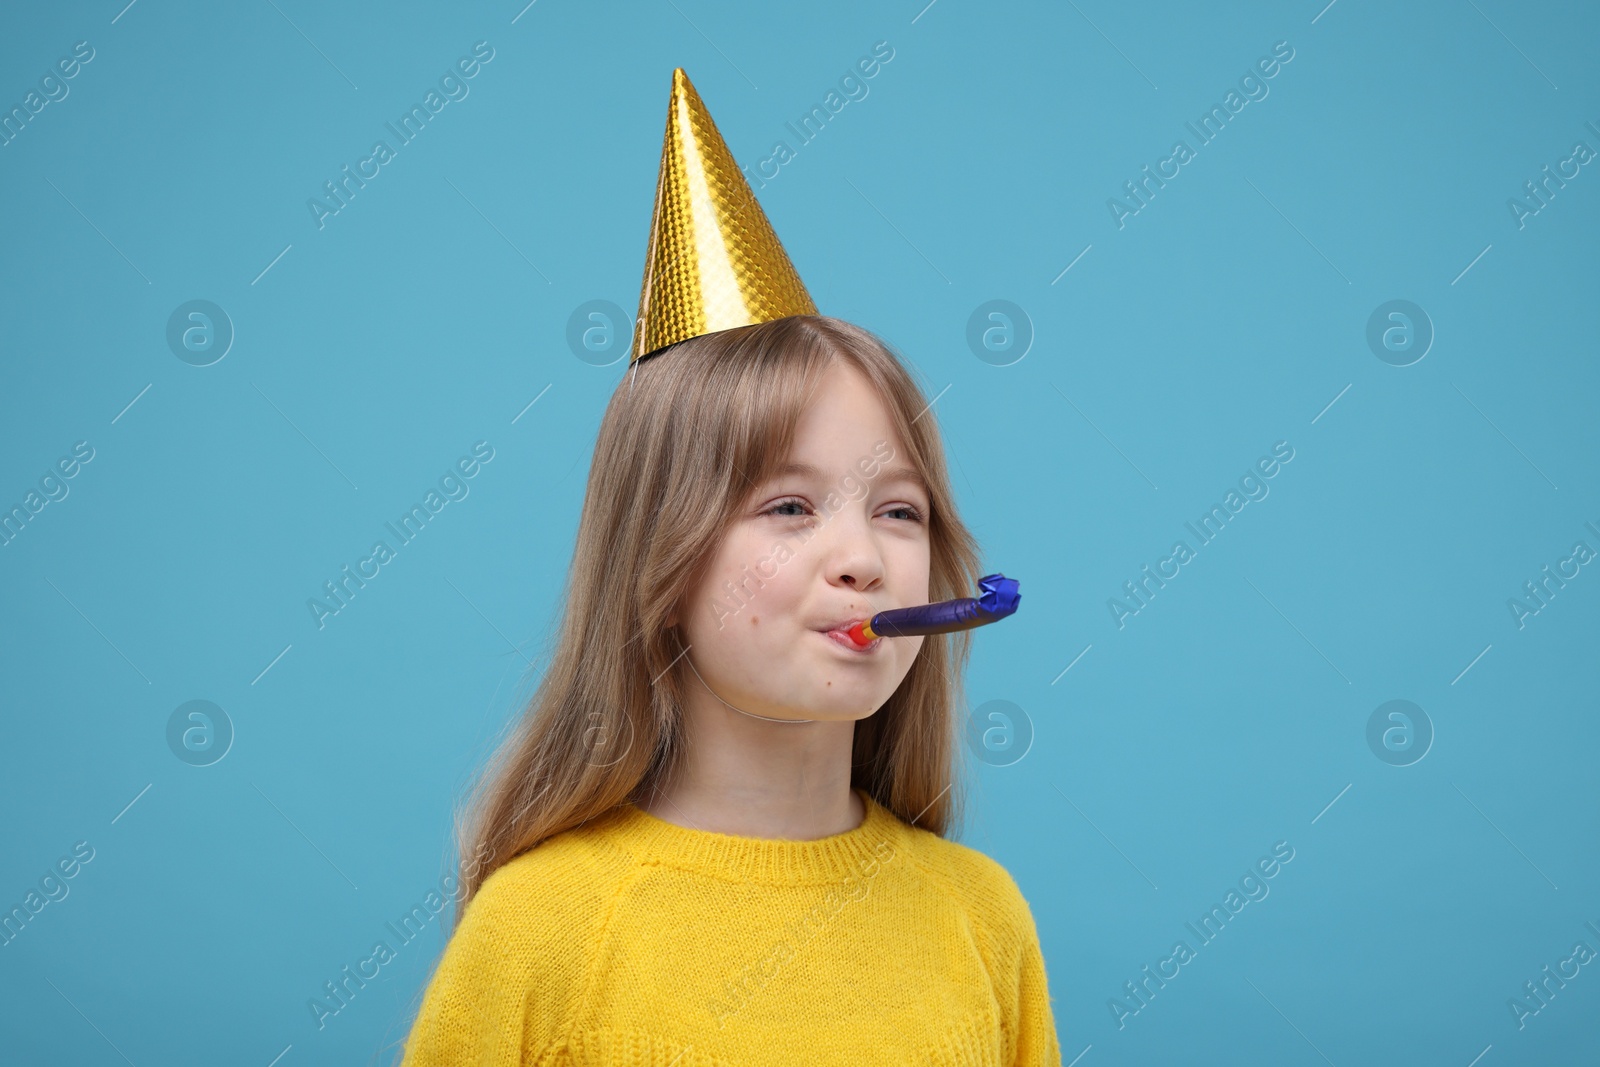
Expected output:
(843, 403)
(842, 376)
(884, 470)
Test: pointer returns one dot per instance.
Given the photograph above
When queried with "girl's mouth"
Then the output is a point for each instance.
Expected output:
(843, 640)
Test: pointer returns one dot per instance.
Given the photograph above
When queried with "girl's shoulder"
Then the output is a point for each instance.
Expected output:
(977, 882)
(563, 878)
(520, 956)
(552, 893)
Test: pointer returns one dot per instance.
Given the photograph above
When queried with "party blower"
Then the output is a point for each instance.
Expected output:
(998, 599)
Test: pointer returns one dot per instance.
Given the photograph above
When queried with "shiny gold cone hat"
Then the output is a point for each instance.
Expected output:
(714, 262)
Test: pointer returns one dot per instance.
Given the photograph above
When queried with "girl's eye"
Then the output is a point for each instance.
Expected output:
(793, 502)
(911, 513)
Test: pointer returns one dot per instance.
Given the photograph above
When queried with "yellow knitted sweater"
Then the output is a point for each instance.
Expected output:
(634, 942)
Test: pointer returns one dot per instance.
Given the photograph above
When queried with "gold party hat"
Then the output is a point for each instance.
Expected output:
(714, 262)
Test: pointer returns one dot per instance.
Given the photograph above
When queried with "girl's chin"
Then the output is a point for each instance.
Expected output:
(827, 708)
(841, 708)
(831, 715)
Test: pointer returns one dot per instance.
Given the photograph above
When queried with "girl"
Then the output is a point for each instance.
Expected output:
(716, 837)
(737, 814)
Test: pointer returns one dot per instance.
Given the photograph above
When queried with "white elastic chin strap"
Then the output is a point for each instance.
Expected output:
(741, 711)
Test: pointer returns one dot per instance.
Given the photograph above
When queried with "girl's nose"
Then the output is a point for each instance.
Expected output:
(856, 560)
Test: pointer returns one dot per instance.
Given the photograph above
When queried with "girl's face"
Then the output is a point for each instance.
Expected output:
(838, 536)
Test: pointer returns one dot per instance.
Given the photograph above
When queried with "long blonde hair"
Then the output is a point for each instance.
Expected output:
(687, 436)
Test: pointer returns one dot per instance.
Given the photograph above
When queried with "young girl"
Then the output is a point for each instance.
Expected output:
(716, 835)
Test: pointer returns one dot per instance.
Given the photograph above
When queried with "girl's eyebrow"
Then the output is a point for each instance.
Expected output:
(887, 474)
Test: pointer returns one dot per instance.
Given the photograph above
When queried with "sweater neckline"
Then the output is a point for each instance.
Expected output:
(767, 859)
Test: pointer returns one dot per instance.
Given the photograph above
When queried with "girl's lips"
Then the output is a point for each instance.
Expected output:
(844, 641)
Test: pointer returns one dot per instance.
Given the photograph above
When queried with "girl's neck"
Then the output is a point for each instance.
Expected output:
(765, 809)
(755, 776)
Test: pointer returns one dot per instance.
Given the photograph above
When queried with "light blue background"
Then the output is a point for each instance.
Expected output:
(1227, 315)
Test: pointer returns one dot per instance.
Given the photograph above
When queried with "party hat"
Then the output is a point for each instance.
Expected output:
(714, 262)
